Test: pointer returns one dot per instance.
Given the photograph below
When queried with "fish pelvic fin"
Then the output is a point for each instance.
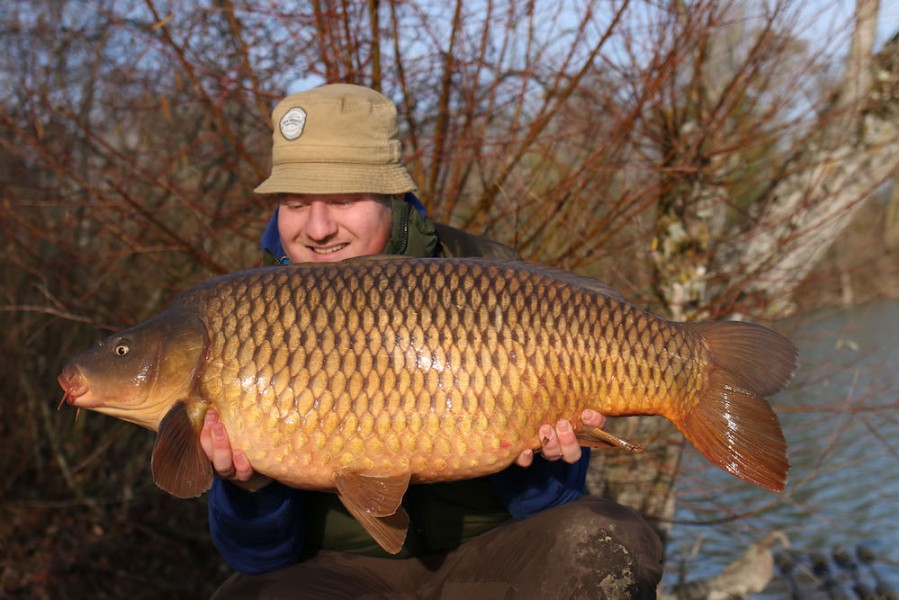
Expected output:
(375, 501)
(732, 425)
(179, 464)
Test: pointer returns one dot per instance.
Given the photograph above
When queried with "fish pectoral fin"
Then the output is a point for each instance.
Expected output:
(594, 437)
(375, 501)
(377, 495)
(179, 464)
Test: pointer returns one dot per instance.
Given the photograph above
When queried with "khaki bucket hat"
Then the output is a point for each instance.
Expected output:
(336, 139)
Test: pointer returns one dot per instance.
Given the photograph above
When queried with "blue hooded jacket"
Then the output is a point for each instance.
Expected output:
(265, 530)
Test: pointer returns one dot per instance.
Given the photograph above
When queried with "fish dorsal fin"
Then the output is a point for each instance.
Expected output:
(575, 279)
(374, 501)
(374, 258)
(179, 464)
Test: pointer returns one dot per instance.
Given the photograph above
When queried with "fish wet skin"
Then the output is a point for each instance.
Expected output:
(364, 376)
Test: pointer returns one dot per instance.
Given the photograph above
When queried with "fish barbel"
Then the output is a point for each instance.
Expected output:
(364, 376)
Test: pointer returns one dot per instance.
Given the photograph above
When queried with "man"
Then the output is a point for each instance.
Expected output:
(342, 192)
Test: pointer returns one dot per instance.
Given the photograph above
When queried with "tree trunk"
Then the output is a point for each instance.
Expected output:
(829, 177)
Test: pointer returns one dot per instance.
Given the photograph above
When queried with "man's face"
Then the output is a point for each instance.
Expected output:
(332, 227)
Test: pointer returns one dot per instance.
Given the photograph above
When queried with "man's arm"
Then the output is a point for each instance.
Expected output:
(256, 524)
(555, 478)
(256, 532)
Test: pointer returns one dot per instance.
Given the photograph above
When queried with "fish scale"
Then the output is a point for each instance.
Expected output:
(519, 374)
(365, 375)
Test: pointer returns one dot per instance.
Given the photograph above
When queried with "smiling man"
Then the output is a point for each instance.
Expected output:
(342, 191)
(327, 227)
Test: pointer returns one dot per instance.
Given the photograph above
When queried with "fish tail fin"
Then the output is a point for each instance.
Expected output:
(732, 424)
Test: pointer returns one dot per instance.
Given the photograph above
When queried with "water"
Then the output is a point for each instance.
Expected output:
(841, 421)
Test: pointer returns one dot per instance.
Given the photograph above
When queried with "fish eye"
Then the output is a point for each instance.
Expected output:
(121, 349)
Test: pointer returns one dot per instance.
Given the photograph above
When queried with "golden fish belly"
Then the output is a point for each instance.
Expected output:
(442, 368)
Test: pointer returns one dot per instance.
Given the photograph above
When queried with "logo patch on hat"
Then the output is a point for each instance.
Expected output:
(292, 123)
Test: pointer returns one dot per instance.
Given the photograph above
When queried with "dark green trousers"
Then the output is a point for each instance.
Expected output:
(592, 548)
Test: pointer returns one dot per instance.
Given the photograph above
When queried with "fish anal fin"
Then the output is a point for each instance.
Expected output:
(378, 495)
(180, 467)
(594, 437)
(375, 501)
(738, 431)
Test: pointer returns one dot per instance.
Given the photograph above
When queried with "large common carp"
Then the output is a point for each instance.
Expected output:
(363, 376)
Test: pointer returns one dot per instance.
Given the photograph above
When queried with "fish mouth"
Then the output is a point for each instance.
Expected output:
(73, 385)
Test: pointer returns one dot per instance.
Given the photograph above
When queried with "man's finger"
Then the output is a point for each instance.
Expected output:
(206, 433)
(591, 418)
(242, 469)
(525, 459)
(570, 449)
(222, 460)
(549, 446)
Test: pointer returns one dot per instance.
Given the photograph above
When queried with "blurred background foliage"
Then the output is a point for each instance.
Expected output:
(706, 158)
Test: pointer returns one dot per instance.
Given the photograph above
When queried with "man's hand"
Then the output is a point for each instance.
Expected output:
(559, 442)
(231, 465)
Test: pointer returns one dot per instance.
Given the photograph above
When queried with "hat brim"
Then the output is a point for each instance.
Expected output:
(337, 178)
